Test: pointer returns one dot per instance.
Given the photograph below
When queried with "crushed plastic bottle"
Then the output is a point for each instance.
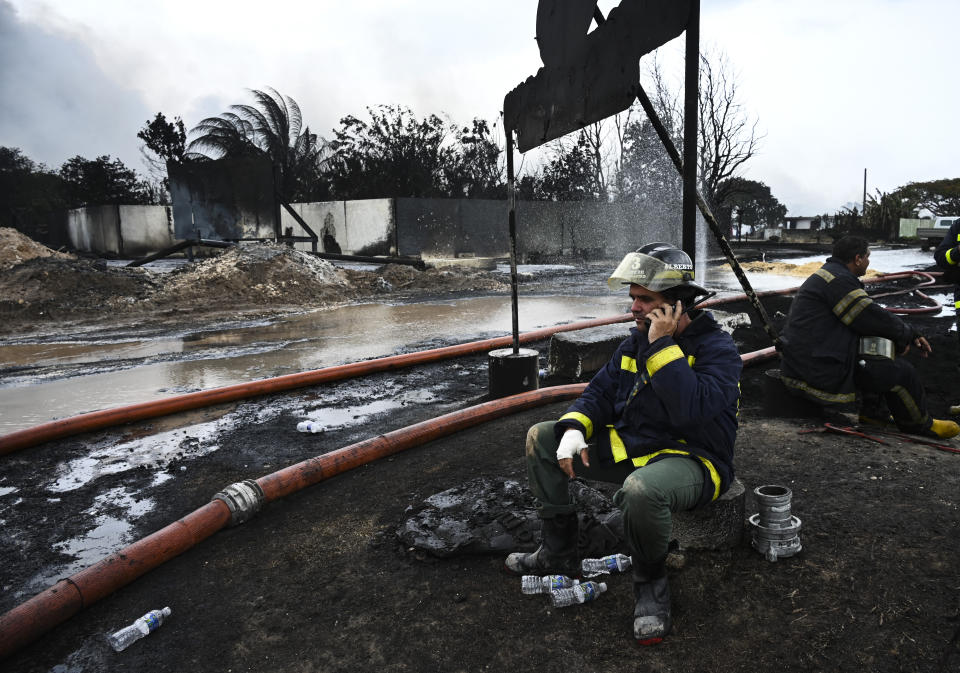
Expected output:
(534, 584)
(578, 593)
(615, 563)
(309, 426)
(128, 635)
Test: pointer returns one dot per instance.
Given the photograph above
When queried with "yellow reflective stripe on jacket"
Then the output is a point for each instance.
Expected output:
(582, 420)
(823, 273)
(620, 453)
(627, 363)
(824, 396)
(852, 296)
(856, 310)
(950, 259)
(663, 357)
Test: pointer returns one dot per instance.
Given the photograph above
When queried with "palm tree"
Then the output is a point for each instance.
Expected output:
(273, 127)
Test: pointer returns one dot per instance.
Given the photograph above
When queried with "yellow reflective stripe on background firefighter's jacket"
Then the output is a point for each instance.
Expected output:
(582, 420)
(620, 454)
(950, 259)
(852, 305)
(628, 363)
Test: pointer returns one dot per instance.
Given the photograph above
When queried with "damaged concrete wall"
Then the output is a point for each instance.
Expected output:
(125, 231)
(361, 227)
(145, 229)
(430, 228)
(371, 227)
(478, 228)
(327, 219)
(94, 229)
(225, 199)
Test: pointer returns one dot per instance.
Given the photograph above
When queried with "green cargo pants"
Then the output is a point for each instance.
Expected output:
(648, 495)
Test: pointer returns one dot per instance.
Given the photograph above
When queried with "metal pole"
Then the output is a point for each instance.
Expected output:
(690, 115)
(512, 220)
(863, 207)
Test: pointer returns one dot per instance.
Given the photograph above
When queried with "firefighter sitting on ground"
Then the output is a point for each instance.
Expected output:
(837, 341)
(661, 419)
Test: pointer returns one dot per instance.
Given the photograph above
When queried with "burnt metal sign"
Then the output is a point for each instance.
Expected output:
(587, 77)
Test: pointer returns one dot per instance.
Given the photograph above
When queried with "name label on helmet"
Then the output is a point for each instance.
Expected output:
(679, 267)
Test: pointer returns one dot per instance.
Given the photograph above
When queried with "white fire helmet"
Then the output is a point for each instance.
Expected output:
(657, 267)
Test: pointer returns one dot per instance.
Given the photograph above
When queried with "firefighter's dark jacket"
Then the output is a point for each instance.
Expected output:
(674, 396)
(820, 341)
(947, 256)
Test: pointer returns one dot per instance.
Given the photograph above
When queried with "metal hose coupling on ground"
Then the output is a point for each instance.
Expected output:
(243, 498)
(775, 530)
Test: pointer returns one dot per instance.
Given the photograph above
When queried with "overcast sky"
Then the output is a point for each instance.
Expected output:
(837, 86)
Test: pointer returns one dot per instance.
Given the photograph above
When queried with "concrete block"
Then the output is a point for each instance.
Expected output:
(718, 525)
(581, 354)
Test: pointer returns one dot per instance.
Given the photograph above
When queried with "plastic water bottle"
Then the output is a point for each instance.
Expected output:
(615, 563)
(534, 584)
(128, 635)
(309, 426)
(578, 593)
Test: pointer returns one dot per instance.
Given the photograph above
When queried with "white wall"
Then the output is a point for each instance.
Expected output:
(369, 224)
(94, 229)
(145, 229)
(317, 215)
(909, 226)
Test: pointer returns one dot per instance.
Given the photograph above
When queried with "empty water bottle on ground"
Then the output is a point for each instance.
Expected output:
(615, 563)
(578, 593)
(128, 635)
(309, 426)
(534, 584)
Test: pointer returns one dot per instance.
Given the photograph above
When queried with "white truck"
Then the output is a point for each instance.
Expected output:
(931, 236)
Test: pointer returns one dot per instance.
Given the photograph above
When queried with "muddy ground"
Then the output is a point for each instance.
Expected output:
(319, 581)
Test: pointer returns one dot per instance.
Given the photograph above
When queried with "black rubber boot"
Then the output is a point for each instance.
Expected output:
(557, 553)
(651, 615)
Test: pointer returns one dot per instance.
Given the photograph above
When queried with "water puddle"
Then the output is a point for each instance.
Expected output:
(288, 345)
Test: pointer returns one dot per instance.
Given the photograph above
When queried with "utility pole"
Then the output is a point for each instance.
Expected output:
(863, 207)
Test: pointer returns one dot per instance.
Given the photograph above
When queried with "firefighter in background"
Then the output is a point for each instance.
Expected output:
(660, 419)
(837, 341)
(947, 256)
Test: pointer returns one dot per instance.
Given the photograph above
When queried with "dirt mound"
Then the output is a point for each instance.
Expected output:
(258, 274)
(52, 287)
(787, 269)
(16, 248)
(261, 279)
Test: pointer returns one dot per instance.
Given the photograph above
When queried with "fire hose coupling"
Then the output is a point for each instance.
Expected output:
(243, 498)
(775, 530)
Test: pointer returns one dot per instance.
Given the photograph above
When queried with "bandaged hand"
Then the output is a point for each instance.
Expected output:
(571, 444)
